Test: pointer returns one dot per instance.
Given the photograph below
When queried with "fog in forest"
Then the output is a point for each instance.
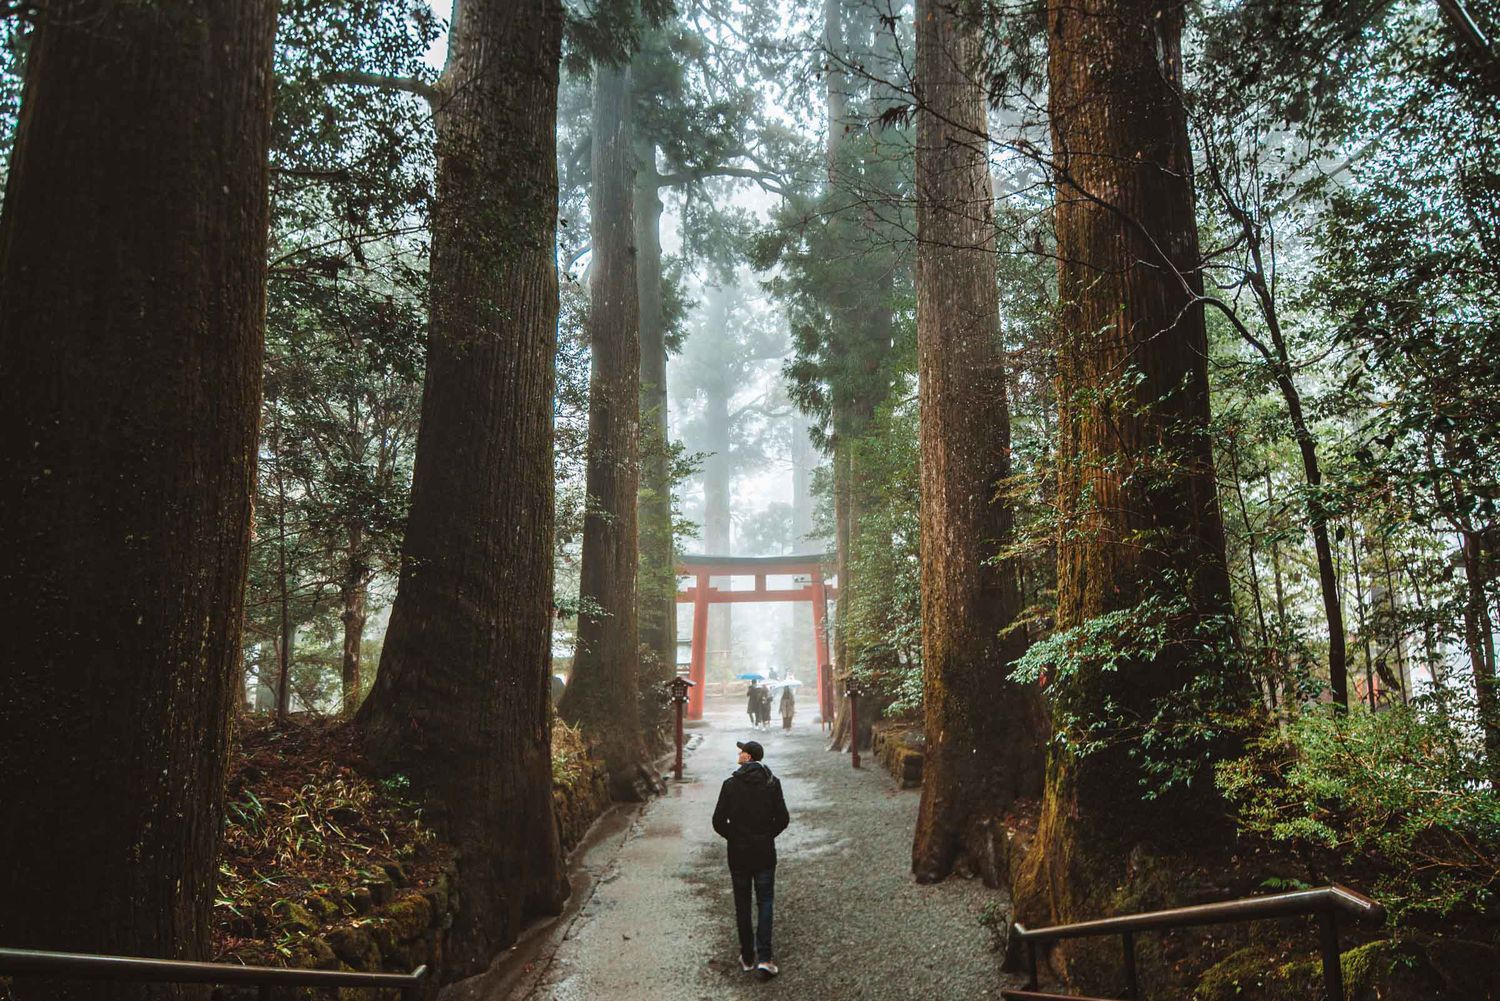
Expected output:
(431, 426)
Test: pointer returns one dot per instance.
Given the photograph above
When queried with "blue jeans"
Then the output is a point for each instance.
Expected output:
(755, 945)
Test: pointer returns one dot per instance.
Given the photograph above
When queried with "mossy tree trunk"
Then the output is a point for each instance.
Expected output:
(460, 699)
(132, 305)
(984, 732)
(603, 692)
(1139, 514)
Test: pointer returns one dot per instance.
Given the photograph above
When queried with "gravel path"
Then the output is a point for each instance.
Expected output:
(656, 922)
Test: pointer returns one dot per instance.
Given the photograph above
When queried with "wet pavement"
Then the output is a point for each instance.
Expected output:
(652, 917)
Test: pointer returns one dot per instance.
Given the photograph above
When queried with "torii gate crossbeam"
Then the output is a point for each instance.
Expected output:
(701, 594)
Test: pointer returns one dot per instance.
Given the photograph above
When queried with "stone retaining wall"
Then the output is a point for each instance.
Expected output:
(385, 924)
(899, 746)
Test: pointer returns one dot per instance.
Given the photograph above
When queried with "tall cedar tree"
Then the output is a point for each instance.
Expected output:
(984, 732)
(1137, 502)
(602, 694)
(861, 320)
(460, 700)
(656, 600)
(132, 303)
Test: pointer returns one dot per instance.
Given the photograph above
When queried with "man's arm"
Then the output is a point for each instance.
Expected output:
(721, 812)
(779, 817)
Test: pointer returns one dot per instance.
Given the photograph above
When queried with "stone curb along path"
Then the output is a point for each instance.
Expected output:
(651, 917)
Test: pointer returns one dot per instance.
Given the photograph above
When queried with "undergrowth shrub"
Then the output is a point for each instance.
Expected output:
(1400, 796)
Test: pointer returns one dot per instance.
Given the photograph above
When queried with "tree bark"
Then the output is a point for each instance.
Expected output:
(603, 693)
(460, 699)
(984, 732)
(352, 597)
(132, 303)
(656, 598)
(1138, 511)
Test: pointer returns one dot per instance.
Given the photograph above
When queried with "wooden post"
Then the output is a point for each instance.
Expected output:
(698, 661)
(680, 690)
(820, 644)
(1333, 970)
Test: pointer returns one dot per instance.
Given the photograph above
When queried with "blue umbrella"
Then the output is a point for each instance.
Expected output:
(751, 676)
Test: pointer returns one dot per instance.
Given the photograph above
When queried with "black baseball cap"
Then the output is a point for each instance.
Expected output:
(752, 748)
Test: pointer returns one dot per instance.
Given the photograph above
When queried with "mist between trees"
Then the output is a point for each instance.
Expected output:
(1138, 364)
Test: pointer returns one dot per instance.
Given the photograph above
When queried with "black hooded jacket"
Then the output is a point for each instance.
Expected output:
(750, 813)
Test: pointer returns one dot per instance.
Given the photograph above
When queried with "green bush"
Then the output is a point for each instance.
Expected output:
(1400, 795)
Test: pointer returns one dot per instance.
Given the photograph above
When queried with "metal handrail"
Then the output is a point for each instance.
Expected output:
(1324, 902)
(88, 966)
(1297, 903)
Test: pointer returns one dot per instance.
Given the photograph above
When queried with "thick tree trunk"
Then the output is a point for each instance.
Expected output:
(984, 732)
(352, 597)
(1139, 518)
(132, 302)
(656, 599)
(602, 695)
(460, 700)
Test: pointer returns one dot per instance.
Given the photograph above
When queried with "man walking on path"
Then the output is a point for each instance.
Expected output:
(750, 814)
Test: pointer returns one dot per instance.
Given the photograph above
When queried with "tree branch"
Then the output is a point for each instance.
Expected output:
(765, 178)
(410, 85)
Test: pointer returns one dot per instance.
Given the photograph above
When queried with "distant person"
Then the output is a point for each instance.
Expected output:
(752, 704)
(750, 814)
(788, 707)
(765, 708)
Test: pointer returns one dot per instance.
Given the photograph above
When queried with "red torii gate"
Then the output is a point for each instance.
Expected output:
(700, 595)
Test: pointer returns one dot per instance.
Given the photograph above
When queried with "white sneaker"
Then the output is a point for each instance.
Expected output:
(766, 970)
(746, 967)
